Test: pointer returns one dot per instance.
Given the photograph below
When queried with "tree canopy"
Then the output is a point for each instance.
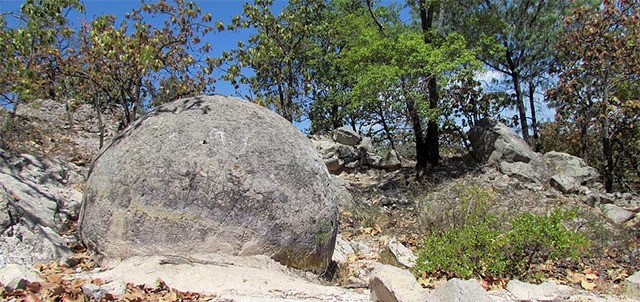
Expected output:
(407, 74)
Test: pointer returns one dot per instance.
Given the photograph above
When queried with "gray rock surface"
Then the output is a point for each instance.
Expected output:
(14, 275)
(456, 290)
(525, 172)
(230, 278)
(493, 142)
(547, 291)
(211, 174)
(615, 213)
(391, 284)
(632, 286)
(403, 254)
(570, 167)
(346, 136)
(36, 204)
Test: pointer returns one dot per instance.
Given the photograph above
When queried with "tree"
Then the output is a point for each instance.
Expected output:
(135, 65)
(29, 52)
(599, 85)
(515, 38)
(277, 53)
(397, 66)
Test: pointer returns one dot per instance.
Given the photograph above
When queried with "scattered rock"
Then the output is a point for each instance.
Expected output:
(346, 136)
(404, 255)
(493, 142)
(632, 286)
(547, 291)
(564, 183)
(211, 174)
(456, 290)
(14, 276)
(342, 251)
(339, 157)
(524, 172)
(615, 213)
(391, 284)
(96, 292)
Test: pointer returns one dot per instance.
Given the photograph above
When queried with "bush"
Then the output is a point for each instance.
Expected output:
(485, 247)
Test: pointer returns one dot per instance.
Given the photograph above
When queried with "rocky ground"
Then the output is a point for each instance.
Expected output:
(381, 227)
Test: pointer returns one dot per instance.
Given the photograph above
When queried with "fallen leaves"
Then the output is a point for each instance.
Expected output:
(587, 279)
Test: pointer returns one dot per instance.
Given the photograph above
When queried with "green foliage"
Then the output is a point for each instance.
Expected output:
(29, 52)
(483, 246)
(279, 53)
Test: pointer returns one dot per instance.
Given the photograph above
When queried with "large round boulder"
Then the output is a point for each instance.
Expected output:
(211, 174)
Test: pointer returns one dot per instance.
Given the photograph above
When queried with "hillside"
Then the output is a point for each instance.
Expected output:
(382, 213)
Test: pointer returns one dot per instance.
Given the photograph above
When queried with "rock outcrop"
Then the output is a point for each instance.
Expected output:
(346, 150)
(495, 144)
(211, 174)
(36, 206)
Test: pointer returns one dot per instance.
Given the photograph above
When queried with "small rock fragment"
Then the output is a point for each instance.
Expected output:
(391, 284)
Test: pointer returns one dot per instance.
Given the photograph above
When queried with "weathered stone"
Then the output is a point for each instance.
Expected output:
(228, 278)
(333, 164)
(211, 174)
(13, 275)
(494, 142)
(365, 147)
(404, 255)
(632, 286)
(525, 172)
(456, 290)
(547, 291)
(569, 172)
(346, 136)
(389, 162)
(564, 183)
(346, 153)
(32, 210)
(615, 213)
(342, 251)
(391, 284)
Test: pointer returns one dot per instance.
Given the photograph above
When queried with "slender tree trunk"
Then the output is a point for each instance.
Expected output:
(387, 130)
(584, 128)
(100, 124)
(607, 150)
(422, 156)
(431, 143)
(522, 113)
(433, 132)
(535, 143)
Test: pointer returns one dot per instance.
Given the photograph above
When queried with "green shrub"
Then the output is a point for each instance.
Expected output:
(485, 247)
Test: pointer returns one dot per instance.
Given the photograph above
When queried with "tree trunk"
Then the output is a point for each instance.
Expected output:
(422, 153)
(515, 77)
(535, 142)
(433, 134)
(431, 143)
(607, 150)
(522, 113)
